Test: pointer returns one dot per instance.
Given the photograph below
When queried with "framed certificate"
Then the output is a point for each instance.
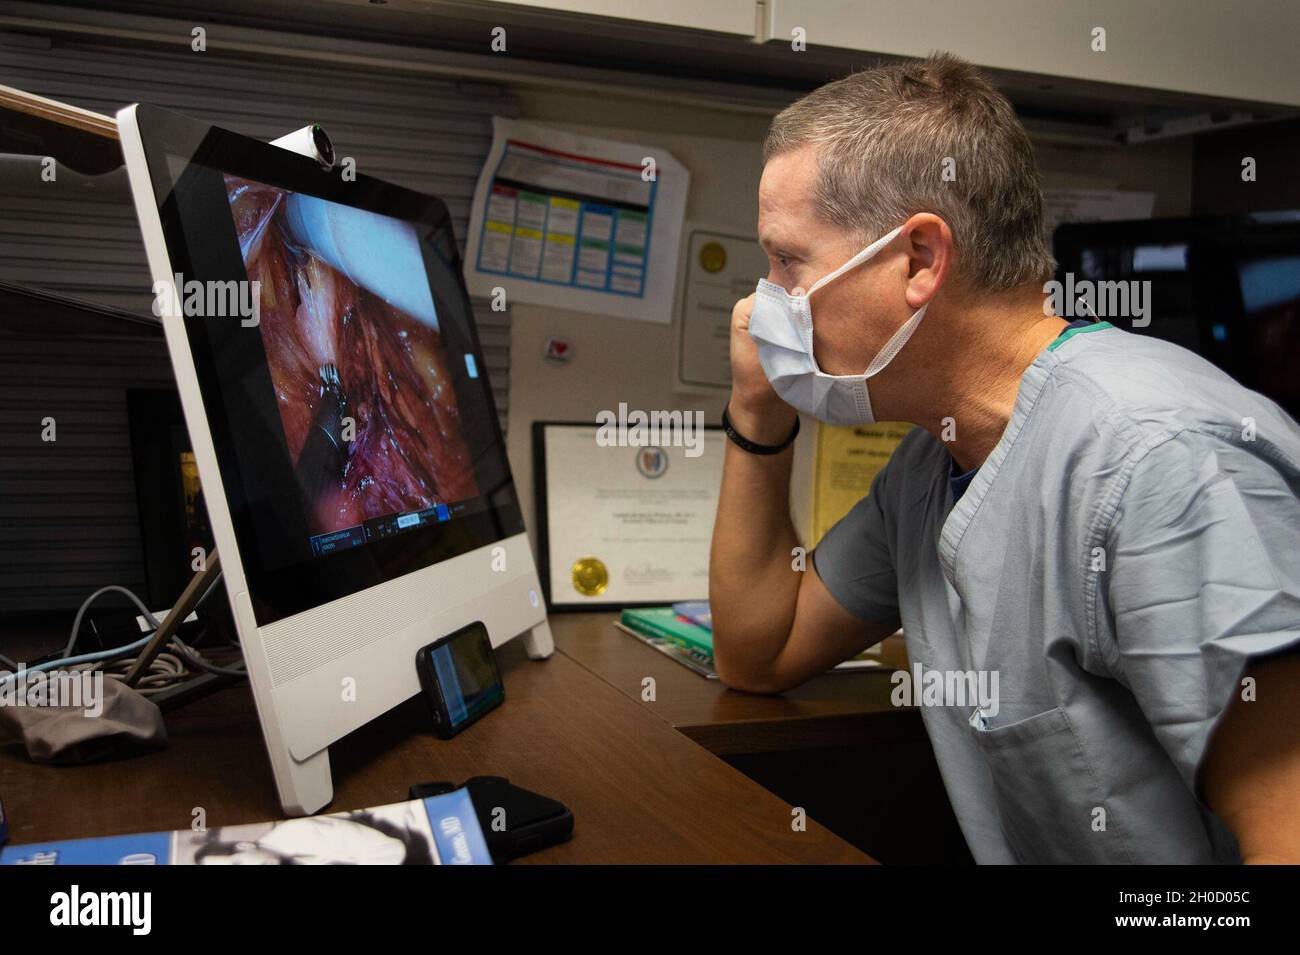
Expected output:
(623, 524)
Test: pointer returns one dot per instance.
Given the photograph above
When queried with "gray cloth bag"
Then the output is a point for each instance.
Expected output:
(93, 720)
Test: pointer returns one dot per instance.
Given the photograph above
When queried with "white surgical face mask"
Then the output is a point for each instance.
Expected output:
(781, 325)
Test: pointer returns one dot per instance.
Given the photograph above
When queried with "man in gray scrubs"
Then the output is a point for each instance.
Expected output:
(1101, 527)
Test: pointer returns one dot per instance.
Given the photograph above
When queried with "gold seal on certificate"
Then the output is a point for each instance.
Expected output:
(590, 576)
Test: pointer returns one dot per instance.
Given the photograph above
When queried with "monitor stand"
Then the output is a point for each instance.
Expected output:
(538, 642)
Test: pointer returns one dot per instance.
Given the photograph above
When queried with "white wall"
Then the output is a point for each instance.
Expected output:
(1224, 48)
(724, 16)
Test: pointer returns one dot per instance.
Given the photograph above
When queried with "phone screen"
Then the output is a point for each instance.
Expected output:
(467, 675)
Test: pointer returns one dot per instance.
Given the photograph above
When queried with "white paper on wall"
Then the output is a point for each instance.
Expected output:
(1095, 205)
(577, 222)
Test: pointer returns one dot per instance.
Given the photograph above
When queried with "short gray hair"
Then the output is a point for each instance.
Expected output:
(882, 137)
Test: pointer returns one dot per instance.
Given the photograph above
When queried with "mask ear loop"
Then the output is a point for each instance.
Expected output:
(854, 262)
(896, 342)
(900, 337)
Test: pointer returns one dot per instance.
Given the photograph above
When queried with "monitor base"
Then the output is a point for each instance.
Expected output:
(305, 787)
(538, 641)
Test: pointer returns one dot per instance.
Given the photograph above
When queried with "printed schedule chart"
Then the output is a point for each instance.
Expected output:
(567, 219)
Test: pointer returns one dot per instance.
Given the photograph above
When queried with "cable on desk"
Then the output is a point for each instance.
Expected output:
(64, 662)
(169, 668)
(160, 676)
(154, 622)
(193, 657)
(166, 670)
(111, 588)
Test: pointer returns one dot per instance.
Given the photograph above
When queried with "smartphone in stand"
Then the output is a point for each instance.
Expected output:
(461, 679)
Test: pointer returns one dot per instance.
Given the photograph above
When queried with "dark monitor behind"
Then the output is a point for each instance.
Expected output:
(68, 505)
(174, 527)
(1226, 287)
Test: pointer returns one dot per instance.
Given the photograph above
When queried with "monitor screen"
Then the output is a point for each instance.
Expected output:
(1171, 282)
(1225, 287)
(336, 352)
(362, 378)
(1270, 297)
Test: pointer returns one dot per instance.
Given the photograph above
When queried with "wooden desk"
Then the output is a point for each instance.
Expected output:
(640, 791)
(835, 746)
(835, 709)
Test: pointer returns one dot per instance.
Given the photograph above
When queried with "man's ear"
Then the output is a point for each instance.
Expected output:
(927, 242)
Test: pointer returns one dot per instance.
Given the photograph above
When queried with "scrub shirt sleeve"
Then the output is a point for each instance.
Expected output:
(854, 561)
(1204, 576)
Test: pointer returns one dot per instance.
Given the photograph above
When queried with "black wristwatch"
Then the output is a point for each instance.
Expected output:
(753, 447)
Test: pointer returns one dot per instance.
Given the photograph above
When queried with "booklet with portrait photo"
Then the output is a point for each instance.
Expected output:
(437, 830)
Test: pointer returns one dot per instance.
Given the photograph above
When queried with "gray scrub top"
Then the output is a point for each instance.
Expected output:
(1129, 544)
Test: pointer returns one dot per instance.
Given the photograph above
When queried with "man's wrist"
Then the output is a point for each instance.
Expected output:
(769, 424)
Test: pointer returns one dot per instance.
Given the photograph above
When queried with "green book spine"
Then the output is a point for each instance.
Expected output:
(663, 622)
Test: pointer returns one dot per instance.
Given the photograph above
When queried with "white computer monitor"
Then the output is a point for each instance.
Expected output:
(349, 449)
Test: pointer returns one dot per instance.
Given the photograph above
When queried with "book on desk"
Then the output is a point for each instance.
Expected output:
(436, 830)
(684, 632)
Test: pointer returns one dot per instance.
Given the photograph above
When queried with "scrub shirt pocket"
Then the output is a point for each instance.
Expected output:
(1046, 792)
